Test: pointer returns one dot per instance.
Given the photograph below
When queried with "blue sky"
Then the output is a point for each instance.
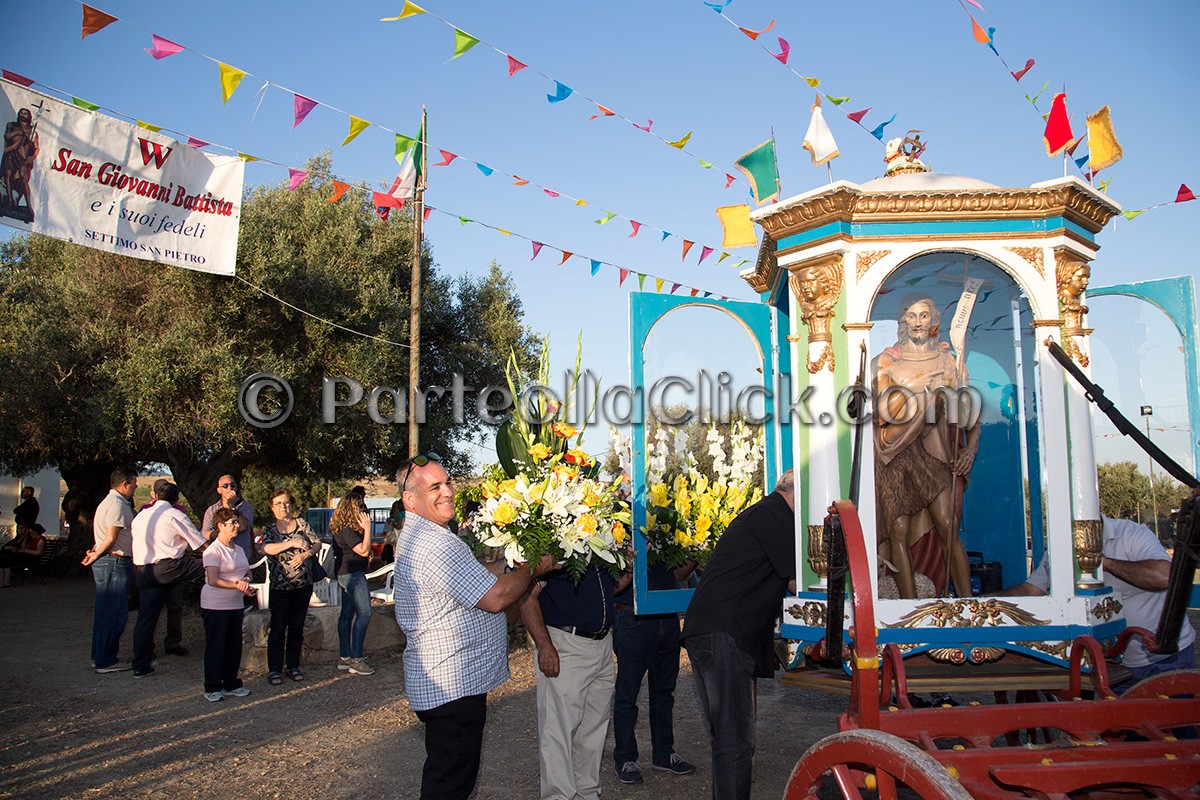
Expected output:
(676, 62)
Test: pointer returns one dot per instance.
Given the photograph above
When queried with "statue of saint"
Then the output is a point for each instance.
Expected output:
(20, 151)
(922, 453)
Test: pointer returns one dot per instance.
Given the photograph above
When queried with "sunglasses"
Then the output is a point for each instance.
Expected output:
(419, 461)
(228, 485)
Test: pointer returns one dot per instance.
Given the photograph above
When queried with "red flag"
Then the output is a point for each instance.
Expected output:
(695, 292)
(728, 180)
(95, 20)
(15, 78)
(1021, 72)
(624, 275)
(1058, 127)
(857, 116)
(425, 213)
(339, 189)
(1185, 194)
(514, 66)
(447, 157)
(637, 226)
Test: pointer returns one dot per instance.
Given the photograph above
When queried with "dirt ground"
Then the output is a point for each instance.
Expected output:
(67, 732)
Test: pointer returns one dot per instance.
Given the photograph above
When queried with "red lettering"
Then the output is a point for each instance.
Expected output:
(158, 155)
(61, 164)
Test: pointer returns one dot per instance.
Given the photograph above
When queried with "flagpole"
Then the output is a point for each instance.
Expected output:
(414, 299)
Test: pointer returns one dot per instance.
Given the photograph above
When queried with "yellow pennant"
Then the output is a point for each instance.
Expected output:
(148, 126)
(357, 126)
(680, 144)
(739, 230)
(1103, 148)
(658, 284)
(410, 10)
(230, 78)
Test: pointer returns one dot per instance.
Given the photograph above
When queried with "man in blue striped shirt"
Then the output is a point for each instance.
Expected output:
(451, 609)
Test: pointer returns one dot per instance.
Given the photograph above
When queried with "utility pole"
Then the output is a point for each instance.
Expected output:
(414, 300)
(1146, 412)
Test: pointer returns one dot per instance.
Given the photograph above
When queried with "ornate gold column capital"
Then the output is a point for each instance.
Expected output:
(1071, 274)
(817, 286)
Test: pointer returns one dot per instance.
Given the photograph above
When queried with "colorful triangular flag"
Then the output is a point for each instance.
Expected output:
(295, 178)
(339, 189)
(760, 168)
(1184, 194)
(463, 42)
(877, 132)
(1104, 149)
(514, 66)
(95, 20)
(818, 139)
(410, 10)
(301, 106)
(230, 78)
(160, 48)
(1058, 127)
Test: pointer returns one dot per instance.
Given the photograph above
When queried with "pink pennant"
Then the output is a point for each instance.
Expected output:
(728, 180)
(637, 226)
(537, 248)
(974, 3)
(1184, 194)
(447, 157)
(624, 275)
(1021, 72)
(784, 50)
(705, 252)
(550, 192)
(15, 78)
(675, 286)
(295, 178)
(857, 116)
(161, 48)
(514, 66)
(302, 105)
(197, 143)
(645, 128)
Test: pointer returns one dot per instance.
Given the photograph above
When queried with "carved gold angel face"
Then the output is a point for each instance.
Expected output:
(1078, 282)
(810, 284)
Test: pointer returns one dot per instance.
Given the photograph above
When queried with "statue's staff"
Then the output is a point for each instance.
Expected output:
(958, 340)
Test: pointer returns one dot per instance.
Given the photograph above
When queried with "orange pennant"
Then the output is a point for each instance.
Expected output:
(980, 34)
(566, 254)
(520, 181)
(339, 189)
(686, 246)
(755, 34)
(604, 112)
(95, 20)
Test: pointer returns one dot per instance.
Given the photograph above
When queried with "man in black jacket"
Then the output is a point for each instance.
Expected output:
(729, 627)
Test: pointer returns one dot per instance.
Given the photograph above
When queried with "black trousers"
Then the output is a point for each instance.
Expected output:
(222, 649)
(453, 743)
(154, 582)
(288, 610)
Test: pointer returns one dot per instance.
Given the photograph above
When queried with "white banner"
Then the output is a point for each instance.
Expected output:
(86, 178)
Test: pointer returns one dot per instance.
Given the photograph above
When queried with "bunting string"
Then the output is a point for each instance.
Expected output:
(782, 57)
(321, 320)
(303, 105)
(465, 41)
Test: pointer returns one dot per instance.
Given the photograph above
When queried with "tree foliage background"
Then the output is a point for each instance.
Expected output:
(1125, 492)
(114, 360)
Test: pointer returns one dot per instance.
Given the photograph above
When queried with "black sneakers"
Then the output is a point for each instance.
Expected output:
(676, 765)
(629, 773)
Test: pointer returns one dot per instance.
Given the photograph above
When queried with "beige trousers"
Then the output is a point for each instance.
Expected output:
(573, 714)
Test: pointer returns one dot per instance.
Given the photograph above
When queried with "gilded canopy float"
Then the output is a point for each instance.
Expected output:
(977, 460)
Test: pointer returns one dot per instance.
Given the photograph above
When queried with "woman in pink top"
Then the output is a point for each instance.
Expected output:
(226, 571)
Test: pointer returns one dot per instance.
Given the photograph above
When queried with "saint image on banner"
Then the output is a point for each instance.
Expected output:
(16, 167)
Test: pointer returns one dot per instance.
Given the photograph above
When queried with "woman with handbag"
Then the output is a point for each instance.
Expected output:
(291, 548)
(351, 527)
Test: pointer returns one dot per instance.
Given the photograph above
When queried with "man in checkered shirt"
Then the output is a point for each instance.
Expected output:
(451, 609)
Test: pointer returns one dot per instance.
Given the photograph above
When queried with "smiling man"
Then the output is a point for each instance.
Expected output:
(451, 609)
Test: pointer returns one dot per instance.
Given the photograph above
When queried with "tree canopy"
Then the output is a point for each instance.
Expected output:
(116, 360)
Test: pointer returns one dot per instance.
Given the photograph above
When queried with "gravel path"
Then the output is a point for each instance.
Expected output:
(67, 732)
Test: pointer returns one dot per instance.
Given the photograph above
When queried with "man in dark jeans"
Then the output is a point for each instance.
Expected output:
(647, 643)
(161, 537)
(729, 627)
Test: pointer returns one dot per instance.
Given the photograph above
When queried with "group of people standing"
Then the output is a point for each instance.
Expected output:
(150, 549)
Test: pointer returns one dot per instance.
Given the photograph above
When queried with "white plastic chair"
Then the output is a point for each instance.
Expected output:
(327, 592)
(385, 594)
(262, 590)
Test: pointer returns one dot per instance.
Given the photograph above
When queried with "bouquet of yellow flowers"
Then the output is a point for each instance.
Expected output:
(686, 512)
(551, 501)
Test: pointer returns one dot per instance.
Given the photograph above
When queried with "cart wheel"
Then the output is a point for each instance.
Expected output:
(1167, 684)
(874, 760)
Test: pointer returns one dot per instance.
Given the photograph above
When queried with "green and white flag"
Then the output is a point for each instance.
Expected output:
(759, 167)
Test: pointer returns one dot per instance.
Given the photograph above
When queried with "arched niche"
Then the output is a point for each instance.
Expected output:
(1001, 516)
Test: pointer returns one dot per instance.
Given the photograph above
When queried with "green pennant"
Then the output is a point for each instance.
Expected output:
(84, 104)
(463, 42)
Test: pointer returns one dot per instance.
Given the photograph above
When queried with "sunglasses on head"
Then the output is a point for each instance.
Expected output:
(419, 461)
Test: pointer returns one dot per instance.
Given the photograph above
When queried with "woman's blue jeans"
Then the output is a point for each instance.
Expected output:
(356, 614)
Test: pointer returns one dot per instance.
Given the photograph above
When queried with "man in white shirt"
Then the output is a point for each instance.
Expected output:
(162, 535)
(1135, 565)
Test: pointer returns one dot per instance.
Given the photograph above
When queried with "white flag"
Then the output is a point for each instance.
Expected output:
(406, 182)
(819, 139)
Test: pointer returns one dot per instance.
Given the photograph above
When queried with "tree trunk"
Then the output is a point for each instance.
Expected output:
(87, 484)
(197, 480)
